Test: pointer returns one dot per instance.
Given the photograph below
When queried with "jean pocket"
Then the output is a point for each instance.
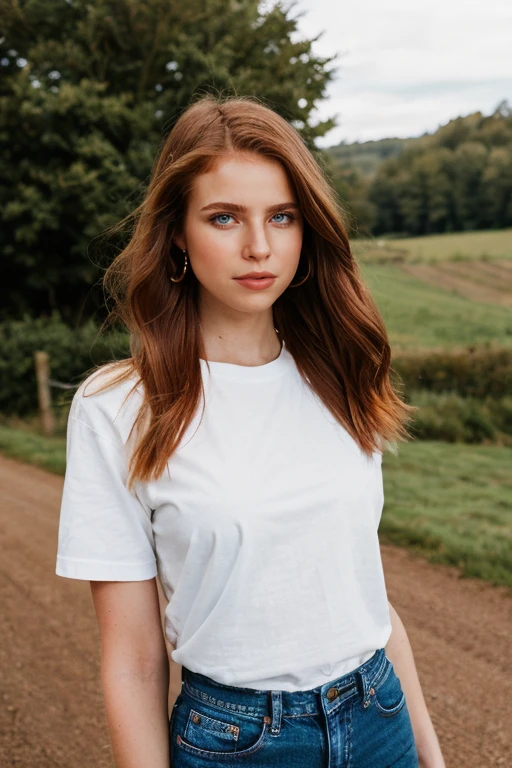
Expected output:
(389, 698)
(208, 731)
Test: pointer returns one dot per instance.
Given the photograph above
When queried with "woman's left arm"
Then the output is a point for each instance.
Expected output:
(399, 652)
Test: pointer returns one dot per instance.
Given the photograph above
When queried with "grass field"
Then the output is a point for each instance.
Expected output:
(418, 314)
(459, 246)
(476, 266)
(487, 281)
(41, 451)
(452, 503)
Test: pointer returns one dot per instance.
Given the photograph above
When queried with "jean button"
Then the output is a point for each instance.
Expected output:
(332, 693)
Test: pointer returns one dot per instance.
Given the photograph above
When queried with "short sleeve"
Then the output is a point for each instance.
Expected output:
(105, 531)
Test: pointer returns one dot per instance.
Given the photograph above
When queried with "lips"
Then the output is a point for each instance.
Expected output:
(255, 283)
(255, 276)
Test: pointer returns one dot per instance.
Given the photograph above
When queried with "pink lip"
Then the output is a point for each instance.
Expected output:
(255, 283)
(255, 274)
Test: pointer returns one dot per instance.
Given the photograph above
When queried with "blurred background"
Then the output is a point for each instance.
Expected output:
(408, 109)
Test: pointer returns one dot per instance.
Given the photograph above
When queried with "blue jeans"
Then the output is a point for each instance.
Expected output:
(359, 720)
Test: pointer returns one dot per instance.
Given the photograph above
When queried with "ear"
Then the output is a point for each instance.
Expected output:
(180, 242)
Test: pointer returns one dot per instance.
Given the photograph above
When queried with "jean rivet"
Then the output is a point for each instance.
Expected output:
(372, 691)
(366, 704)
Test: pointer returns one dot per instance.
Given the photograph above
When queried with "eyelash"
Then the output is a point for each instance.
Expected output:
(223, 226)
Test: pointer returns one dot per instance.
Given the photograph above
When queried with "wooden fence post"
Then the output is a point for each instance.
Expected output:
(43, 390)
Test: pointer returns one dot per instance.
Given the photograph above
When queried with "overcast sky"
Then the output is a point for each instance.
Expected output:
(405, 66)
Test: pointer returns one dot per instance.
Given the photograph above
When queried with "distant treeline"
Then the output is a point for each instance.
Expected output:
(457, 179)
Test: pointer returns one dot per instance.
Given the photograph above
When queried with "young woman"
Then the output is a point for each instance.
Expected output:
(237, 456)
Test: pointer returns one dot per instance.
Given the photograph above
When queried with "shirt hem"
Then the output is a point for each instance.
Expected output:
(94, 570)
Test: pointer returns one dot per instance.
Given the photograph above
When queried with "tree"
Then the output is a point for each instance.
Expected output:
(459, 178)
(88, 90)
(497, 188)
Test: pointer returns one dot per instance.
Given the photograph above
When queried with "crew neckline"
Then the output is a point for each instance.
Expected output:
(270, 370)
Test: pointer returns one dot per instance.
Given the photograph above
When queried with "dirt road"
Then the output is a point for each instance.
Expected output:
(51, 704)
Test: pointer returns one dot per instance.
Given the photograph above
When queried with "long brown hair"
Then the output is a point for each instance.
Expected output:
(330, 324)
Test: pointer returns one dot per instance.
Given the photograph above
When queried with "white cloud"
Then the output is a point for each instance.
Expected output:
(404, 67)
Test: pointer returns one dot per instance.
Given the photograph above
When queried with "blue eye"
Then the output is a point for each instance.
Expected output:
(222, 224)
(218, 215)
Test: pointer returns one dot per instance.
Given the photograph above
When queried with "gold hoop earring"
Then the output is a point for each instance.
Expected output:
(303, 280)
(179, 279)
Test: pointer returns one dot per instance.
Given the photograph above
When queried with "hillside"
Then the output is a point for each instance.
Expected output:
(365, 157)
(457, 179)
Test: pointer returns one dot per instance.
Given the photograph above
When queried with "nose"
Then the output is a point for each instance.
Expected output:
(257, 245)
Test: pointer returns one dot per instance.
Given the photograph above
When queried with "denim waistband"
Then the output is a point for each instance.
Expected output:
(250, 701)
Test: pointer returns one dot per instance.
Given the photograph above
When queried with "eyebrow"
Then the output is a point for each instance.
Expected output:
(242, 209)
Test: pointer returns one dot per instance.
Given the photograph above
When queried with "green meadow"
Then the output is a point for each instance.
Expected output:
(465, 246)
(40, 450)
(452, 504)
(417, 313)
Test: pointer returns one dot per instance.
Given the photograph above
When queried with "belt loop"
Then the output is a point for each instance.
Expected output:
(367, 674)
(365, 685)
(276, 704)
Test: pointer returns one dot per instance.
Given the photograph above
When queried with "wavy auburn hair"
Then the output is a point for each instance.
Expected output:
(330, 324)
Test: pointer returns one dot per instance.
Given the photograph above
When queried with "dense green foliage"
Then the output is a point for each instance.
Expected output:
(457, 179)
(454, 419)
(451, 418)
(366, 157)
(89, 89)
(71, 352)
(471, 372)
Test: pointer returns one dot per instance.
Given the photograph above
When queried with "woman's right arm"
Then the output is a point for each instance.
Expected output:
(134, 671)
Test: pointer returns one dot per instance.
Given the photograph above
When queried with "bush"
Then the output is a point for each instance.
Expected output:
(72, 352)
(449, 417)
(501, 411)
(471, 372)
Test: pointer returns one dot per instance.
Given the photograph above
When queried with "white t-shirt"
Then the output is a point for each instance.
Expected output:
(262, 529)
